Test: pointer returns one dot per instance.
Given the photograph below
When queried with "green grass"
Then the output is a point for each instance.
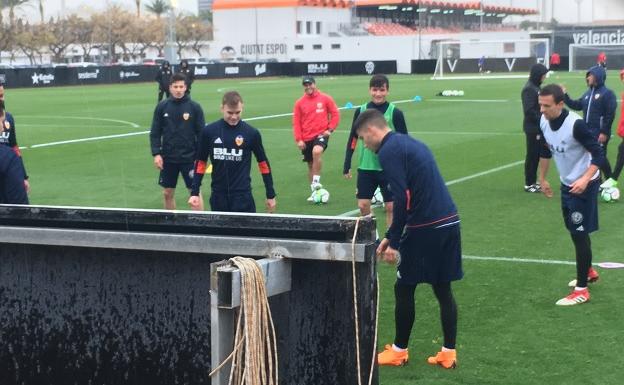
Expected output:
(510, 332)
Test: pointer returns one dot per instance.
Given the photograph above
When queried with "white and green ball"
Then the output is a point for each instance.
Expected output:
(610, 194)
(320, 196)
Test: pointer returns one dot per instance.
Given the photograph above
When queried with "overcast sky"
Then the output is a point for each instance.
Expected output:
(52, 8)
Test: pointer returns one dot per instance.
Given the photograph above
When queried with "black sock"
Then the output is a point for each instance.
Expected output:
(582, 244)
(448, 313)
(404, 313)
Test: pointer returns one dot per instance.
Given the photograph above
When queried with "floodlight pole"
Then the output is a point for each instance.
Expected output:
(170, 51)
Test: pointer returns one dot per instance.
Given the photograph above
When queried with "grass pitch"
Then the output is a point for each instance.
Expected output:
(510, 331)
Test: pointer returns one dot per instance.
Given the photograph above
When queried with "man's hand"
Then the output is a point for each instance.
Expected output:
(301, 144)
(327, 133)
(579, 185)
(347, 175)
(194, 202)
(270, 205)
(386, 253)
(602, 138)
(546, 190)
(158, 162)
(563, 88)
(27, 186)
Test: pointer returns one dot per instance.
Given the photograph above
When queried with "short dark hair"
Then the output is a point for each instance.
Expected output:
(178, 76)
(379, 80)
(2, 108)
(370, 117)
(231, 99)
(554, 90)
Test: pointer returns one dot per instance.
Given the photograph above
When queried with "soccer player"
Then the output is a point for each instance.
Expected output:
(163, 77)
(12, 189)
(176, 126)
(188, 72)
(315, 117)
(229, 143)
(8, 136)
(599, 105)
(601, 60)
(612, 182)
(530, 124)
(555, 61)
(578, 156)
(424, 239)
(369, 175)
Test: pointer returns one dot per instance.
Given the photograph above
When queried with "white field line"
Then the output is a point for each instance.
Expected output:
(104, 137)
(519, 260)
(452, 182)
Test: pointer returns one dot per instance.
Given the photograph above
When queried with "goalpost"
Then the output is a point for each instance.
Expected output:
(489, 59)
(584, 56)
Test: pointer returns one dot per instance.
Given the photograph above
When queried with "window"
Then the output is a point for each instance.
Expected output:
(298, 26)
(335, 46)
(317, 46)
(298, 47)
(318, 27)
(308, 27)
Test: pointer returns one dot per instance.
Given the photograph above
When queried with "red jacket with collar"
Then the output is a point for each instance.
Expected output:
(313, 114)
(620, 130)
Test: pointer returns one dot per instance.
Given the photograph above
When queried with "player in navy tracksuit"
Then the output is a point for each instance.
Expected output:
(424, 236)
(176, 126)
(12, 189)
(229, 143)
(599, 105)
(578, 156)
(8, 136)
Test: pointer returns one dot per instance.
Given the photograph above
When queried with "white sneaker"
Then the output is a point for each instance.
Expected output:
(316, 186)
(311, 198)
(608, 183)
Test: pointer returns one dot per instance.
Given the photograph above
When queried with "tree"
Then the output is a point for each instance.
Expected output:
(158, 7)
(6, 35)
(12, 5)
(85, 37)
(63, 34)
(41, 14)
(138, 8)
(111, 29)
(196, 33)
(31, 40)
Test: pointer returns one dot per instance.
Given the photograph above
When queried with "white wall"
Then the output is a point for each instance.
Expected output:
(275, 23)
(403, 49)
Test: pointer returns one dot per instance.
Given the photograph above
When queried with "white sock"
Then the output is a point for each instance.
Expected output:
(447, 349)
(579, 288)
(316, 179)
(398, 349)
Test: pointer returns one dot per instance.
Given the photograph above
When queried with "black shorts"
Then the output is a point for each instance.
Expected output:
(320, 140)
(242, 202)
(367, 183)
(430, 255)
(580, 211)
(169, 174)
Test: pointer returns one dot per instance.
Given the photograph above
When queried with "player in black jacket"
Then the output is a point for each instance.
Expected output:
(176, 126)
(229, 143)
(531, 126)
(188, 72)
(12, 189)
(8, 136)
(163, 77)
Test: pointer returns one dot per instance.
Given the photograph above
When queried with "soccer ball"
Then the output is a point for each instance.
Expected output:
(377, 197)
(610, 194)
(320, 196)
